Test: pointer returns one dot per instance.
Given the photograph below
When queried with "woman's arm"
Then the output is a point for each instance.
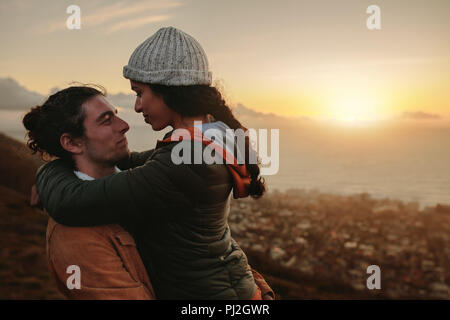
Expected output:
(135, 159)
(131, 195)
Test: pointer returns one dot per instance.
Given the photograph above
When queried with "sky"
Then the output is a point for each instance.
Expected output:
(314, 59)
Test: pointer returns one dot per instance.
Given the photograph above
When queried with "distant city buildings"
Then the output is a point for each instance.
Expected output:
(328, 236)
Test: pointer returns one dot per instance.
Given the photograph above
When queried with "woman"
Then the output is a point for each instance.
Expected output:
(178, 212)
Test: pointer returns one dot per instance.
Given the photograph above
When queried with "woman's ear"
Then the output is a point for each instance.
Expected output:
(210, 118)
(70, 144)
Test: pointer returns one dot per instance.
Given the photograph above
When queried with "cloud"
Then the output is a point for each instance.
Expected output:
(125, 102)
(254, 119)
(118, 16)
(242, 111)
(17, 97)
(407, 61)
(419, 115)
(136, 23)
(122, 100)
(123, 9)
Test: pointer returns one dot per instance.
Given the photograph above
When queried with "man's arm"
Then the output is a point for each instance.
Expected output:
(135, 159)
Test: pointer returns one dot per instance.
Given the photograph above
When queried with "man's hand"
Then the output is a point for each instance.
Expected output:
(34, 198)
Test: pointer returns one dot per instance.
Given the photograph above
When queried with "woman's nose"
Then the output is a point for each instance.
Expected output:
(137, 106)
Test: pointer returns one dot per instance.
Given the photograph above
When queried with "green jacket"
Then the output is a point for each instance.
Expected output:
(177, 214)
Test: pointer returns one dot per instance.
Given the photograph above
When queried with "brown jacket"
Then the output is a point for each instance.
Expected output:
(110, 265)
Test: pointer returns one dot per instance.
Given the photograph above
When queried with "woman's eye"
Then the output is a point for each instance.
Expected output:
(107, 120)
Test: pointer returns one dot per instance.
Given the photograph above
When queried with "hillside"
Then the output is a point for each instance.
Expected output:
(17, 165)
(23, 266)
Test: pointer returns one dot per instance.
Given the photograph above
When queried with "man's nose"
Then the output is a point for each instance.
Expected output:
(124, 127)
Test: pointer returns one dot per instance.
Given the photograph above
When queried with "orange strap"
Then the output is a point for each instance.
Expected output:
(257, 295)
(239, 173)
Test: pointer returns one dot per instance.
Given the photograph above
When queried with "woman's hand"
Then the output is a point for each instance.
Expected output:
(267, 296)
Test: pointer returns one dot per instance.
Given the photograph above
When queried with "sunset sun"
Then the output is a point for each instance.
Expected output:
(354, 110)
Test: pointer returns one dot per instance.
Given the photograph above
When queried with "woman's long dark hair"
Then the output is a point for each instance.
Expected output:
(61, 113)
(197, 100)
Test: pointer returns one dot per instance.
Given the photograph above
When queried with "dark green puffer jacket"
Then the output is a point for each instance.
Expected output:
(177, 214)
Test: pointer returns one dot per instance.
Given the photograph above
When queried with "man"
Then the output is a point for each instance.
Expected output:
(105, 256)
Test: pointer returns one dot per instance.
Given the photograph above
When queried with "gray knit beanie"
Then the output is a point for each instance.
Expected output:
(169, 57)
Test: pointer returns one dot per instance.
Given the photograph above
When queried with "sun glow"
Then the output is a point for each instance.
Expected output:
(354, 110)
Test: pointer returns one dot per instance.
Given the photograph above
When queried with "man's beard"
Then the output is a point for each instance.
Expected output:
(109, 162)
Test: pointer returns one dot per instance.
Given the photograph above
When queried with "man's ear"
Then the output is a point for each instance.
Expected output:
(70, 144)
